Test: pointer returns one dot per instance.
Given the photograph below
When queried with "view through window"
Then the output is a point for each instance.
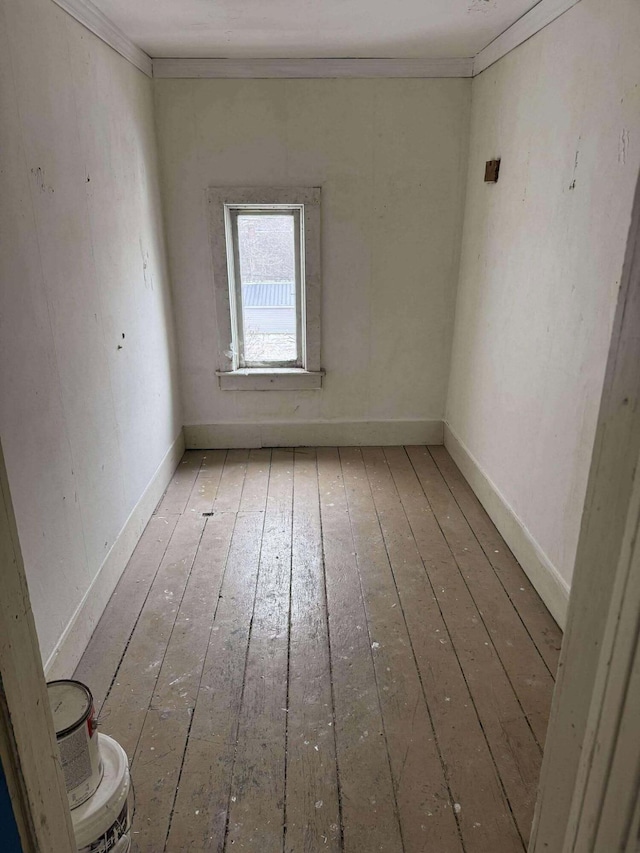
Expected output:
(268, 272)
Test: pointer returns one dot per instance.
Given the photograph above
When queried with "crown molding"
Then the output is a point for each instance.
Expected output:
(528, 25)
(542, 14)
(94, 20)
(309, 68)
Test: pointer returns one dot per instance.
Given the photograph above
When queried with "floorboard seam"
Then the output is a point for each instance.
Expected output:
(135, 624)
(415, 660)
(513, 604)
(480, 612)
(184, 591)
(204, 658)
(464, 677)
(371, 655)
(186, 584)
(175, 796)
(333, 701)
(286, 727)
(155, 684)
(215, 613)
(246, 659)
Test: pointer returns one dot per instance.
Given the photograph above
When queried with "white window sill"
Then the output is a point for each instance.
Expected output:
(277, 379)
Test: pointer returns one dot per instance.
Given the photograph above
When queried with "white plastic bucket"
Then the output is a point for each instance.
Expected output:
(74, 722)
(101, 823)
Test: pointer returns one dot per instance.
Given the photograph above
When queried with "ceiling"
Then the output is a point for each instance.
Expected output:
(313, 28)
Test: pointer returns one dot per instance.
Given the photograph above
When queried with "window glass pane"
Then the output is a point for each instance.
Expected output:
(266, 246)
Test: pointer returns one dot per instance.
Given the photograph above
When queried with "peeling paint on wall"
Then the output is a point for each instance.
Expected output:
(481, 6)
(38, 174)
(572, 185)
(146, 272)
(623, 146)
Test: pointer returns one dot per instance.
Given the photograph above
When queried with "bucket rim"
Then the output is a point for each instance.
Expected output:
(85, 716)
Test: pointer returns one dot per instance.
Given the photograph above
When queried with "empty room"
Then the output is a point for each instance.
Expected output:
(320, 426)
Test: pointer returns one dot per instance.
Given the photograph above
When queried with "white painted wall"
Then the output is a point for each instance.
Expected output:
(89, 407)
(390, 156)
(541, 261)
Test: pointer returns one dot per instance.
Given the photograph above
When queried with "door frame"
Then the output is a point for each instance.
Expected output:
(590, 778)
(28, 748)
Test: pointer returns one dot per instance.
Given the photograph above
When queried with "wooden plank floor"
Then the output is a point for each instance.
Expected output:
(325, 650)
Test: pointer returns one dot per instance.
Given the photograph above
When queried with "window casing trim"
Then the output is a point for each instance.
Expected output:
(223, 202)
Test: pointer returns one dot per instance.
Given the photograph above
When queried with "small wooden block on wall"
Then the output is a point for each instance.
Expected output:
(491, 170)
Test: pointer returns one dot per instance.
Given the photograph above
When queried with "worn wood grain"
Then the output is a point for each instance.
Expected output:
(157, 762)
(369, 810)
(511, 747)
(541, 626)
(256, 483)
(205, 488)
(179, 489)
(107, 645)
(307, 667)
(180, 675)
(156, 772)
(200, 812)
(256, 804)
(312, 810)
(531, 680)
(232, 481)
(425, 805)
(211, 461)
(124, 709)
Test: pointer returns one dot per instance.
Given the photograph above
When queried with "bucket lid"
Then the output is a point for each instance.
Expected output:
(71, 703)
(95, 816)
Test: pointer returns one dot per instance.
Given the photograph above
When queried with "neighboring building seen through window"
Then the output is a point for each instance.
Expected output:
(269, 270)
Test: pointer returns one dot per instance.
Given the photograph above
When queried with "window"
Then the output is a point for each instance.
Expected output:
(266, 265)
(266, 270)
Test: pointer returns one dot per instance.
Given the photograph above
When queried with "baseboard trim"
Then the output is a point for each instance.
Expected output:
(313, 433)
(545, 577)
(71, 645)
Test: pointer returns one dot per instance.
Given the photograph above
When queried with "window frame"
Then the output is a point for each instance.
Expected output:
(233, 373)
(231, 212)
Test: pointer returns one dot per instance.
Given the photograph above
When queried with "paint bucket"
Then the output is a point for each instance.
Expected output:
(102, 822)
(74, 721)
